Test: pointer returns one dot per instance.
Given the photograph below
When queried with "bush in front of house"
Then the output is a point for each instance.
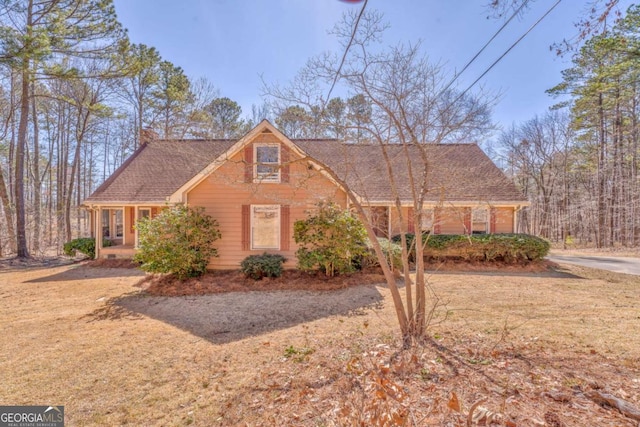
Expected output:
(330, 240)
(265, 265)
(392, 252)
(85, 245)
(179, 241)
(510, 248)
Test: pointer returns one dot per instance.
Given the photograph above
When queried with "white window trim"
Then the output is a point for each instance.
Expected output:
(278, 176)
(278, 234)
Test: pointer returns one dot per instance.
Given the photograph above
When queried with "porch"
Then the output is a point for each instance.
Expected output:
(452, 219)
(118, 251)
(117, 224)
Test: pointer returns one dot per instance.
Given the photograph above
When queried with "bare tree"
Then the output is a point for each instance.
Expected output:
(536, 152)
(409, 110)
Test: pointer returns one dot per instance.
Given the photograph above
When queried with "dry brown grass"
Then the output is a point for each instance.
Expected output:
(87, 338)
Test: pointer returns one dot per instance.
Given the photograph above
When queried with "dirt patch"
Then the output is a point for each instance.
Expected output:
(14, 264)
(112, 263)
(234, 281)
(231, 316)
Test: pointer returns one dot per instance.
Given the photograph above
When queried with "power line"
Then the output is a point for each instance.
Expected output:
(508, 50)
(346, 50)
(524, 3)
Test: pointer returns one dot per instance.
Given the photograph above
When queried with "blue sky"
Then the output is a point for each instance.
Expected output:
(234, 42)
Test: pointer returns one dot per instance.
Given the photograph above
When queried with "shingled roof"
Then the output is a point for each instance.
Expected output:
(157, 169)
(456, 172)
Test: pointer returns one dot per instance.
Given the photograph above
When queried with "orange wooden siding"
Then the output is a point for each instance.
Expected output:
(223, 194)
(451, 220)
(504, 220)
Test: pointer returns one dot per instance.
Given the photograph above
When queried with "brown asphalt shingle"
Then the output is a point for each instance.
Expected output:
(456, 172)
(157, 169)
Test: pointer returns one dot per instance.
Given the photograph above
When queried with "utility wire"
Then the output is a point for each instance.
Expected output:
(507, 51)
(346, 50)
(524, 3)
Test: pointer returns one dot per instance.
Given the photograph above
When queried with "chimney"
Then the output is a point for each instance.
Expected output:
(147, 135)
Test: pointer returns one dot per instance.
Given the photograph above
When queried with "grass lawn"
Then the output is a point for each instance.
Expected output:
(525, 349)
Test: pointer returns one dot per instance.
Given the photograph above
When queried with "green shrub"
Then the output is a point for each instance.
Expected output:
(330, 240)
(85, 245)
(179, 240)
(392, 252)
(265, 265)
(482, 247)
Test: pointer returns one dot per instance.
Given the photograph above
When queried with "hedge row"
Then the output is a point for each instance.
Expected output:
(510, 248)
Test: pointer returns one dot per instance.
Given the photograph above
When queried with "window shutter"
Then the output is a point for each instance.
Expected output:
(284, 163)
(248, 163)
(285, 228)
(246, 228)
(132, 219)
(411, 228)
(467, 221)
(154, 212)
(492, 220)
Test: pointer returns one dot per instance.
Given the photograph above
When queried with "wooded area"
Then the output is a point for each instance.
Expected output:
(578, 164)
(75, 94)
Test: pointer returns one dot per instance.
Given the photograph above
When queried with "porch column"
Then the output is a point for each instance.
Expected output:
(136, 216)
(98, 223)
(125, 230)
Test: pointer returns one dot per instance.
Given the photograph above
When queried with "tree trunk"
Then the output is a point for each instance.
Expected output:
(37, 181)
(8, 215)
(21, 234)
(602, 202)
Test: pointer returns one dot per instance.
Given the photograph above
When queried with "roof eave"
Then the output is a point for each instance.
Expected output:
(93, 203)
(410, 203)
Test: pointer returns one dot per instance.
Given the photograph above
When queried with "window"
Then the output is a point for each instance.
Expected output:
(427, 220)
(144, 213)
(379, 218)
(119, 222)
(267, 162)
(265, 227)
(479, 220)
(105, 223)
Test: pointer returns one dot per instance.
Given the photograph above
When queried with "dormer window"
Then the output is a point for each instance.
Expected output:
(267, 163)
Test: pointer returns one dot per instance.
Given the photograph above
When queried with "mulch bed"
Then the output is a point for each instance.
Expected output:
(235, 281)
(222, 281)
(112, 263)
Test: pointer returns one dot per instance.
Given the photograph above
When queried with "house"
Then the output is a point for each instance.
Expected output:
(256, 187)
